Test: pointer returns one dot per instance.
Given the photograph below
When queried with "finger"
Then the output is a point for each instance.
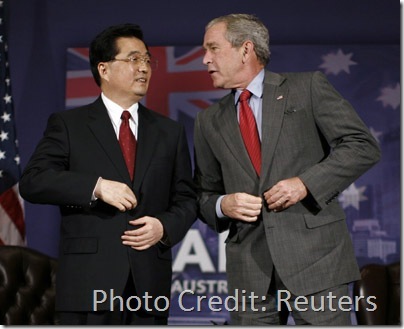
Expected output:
(253, 200)
(279, 198)
(133, 240)
(272, 197)
(248, 219)
(143, 247)
(138, 232)
(142, 244)
(119, 206)
(250, 212)
(246, 216)
(128, 200)
(132, 200)
(126, 204)
(278, 204)
(139, 221)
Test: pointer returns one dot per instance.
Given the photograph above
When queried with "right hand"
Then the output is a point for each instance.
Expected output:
(241, 206)
(116, 194)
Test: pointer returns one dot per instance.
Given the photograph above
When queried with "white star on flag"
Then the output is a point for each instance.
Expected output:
(3, 135)
(352, 196)
(390, 96)
(336, 62)
(6, 117)
(7, 98)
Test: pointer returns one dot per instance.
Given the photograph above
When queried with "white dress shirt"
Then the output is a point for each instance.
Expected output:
(115, 112)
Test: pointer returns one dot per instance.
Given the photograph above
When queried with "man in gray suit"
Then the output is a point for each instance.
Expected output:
(288, 238)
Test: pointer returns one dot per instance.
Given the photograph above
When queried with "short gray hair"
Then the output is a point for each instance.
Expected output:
(242, 27)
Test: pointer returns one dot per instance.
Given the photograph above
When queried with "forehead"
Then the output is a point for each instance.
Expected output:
(215, 34)
(127, 45)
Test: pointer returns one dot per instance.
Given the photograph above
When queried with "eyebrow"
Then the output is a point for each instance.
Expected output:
(210, 44)
(136, 52)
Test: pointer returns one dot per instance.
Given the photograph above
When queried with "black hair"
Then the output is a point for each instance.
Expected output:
(103, 48)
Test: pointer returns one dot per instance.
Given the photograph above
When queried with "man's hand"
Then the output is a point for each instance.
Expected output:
(148, 234)
(241, 206)
(285, 194)
(116, 194)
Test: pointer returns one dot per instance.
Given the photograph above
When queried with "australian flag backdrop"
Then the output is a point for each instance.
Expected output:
(368, 76)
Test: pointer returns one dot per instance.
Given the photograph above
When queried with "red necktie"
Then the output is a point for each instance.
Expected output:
(249, 131)
(127, 141)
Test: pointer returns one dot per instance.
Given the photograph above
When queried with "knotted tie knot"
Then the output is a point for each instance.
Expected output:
(245, 95)
(125, 116)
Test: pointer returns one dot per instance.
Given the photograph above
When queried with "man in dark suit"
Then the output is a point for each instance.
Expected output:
(116, 232)
(277, 193)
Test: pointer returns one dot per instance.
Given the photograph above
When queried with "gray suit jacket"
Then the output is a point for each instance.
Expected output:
(309, 131)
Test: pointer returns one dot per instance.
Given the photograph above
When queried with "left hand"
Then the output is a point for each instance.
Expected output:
(148, 234)
(285, 193)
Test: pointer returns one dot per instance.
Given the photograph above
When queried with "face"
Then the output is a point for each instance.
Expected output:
(126, 82)
(223, 61)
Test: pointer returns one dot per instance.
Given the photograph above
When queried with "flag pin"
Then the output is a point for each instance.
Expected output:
(279, 97)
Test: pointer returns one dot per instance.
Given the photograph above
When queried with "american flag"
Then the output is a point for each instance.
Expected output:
(12, 226)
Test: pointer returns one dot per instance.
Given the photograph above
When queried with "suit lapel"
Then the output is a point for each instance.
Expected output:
(100, 125)
(147, 138)
(228, 127)
(273, 108)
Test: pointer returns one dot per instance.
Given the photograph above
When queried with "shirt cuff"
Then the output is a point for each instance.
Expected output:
(219, 212)
(93, 197)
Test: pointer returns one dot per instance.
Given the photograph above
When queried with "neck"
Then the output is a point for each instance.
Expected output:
(122, 101)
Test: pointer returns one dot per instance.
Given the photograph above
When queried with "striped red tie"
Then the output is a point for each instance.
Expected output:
(127, 141)
(249, 131)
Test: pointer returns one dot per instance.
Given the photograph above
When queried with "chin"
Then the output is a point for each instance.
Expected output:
(141, 91)
(217, 84)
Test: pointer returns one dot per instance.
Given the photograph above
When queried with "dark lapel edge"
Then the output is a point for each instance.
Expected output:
(101, 126)
(228, 127)
(273, 108)
(148, 135)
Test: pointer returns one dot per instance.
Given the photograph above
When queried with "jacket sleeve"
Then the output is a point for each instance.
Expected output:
(208, 180)
(47, 179)
(182, 210)
(353, 149)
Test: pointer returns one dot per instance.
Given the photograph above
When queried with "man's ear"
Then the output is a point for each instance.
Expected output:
(103, 70)
(248, 49)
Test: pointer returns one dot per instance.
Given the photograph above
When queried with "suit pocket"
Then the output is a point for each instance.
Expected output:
(80, 245)
(313, 221)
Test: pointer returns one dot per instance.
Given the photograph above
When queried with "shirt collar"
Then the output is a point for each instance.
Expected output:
(255, 86)
(115, 111)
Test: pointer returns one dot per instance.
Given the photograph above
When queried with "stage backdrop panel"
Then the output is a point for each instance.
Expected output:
(368, 76)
